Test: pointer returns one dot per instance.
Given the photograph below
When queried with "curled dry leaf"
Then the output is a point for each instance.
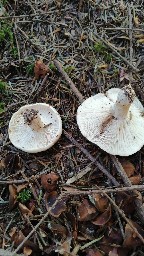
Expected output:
(25, 211)
(110, 249)
(17, 238)
(64, 248)
(129, 168)
(86, 211)
(27, 251)
(126, 202)
(93, 252)
(12, 161)
(12, 196)
(101, 202)
(49, 181)
(135, 180)
(103, 218)
(131, 240)
(40, 69)
(60, 205)
(114, 252)
(58, 229)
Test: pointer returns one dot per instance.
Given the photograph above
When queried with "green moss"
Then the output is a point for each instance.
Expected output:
(24, 196)
(102, 50)
(52, 66)
(99, 47)
(69, 69)
(6, 33)
(3, 86)
(2, 106)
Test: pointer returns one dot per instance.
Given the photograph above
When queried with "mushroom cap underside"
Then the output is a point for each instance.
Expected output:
(24, 137)
(115, 136)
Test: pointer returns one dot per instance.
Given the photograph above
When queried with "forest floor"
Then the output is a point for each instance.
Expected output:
(73, 199)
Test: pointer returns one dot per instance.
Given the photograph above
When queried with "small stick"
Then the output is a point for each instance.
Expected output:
(70, 82)
(36, 227)
(103, 170)
(116, 52)
(88, 191)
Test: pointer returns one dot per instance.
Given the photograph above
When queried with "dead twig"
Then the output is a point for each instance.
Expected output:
(103, 170)
(67, 78)
(109, 45)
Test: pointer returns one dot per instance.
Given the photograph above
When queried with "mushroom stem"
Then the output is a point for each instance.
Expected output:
(121, 111)
(36, 123)
(123, 102)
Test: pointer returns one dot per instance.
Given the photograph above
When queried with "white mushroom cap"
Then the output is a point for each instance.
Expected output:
(35, 127)
(114, 122)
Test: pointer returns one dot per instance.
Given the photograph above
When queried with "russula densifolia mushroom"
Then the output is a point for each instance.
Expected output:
(35, 127)
(114, 121)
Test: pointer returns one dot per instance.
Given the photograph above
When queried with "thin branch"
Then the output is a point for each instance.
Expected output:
(108, 44)
(70, 82)
(103, 170)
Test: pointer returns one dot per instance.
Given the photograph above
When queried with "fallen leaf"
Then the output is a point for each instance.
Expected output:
(18, 237)
(135, 180)
(103, 218)
(140, 41)
(49, 181)
(86, 211)
(24, 210)
(123, 75)
(131, 240)
(64, 248)
(40, 69)
(60, 205)
(136, 21)
(113, 252)
(101, 202)
(12, 196)
(27, 251)
(58, 229)
(128, 167)
(93, 252)
(126, 202)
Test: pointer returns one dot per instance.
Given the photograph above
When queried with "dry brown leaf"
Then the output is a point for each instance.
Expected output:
(126, 202)
(49, 181)
(129, 168)
(103, 218)
(59, 207)
(135, 180)
(12, 196)
(123, 75)
(86, 211)
(101, 202)
(139, 35)
(93, 252)
(17, 238)
(131, 240)
(113, 252)
(21, 187)
(140, 41)
(40, 69)
(64, 248)
(136, 21)
(27, 251)
(24, 210)
(58, 229)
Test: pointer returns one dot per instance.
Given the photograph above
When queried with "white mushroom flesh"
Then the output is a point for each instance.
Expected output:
(114, 122)
(34, 128)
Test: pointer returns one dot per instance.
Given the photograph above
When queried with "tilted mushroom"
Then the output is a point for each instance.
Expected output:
(35, 127)
(114, 121)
